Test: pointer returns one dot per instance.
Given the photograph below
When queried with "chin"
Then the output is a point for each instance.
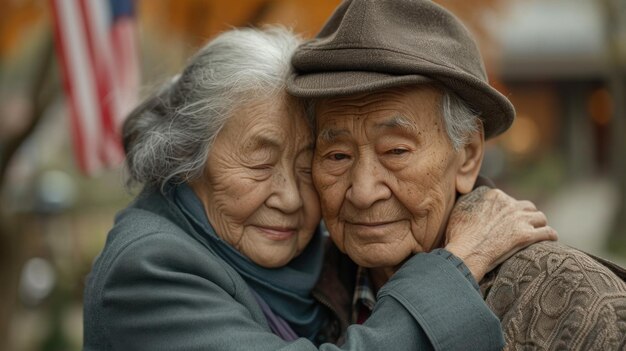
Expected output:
(273, 261)
(378, 255)
(373, 261)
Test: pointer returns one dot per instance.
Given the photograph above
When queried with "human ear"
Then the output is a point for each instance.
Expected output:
(471, 157)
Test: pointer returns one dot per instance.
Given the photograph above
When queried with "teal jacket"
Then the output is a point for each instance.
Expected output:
(158, 285)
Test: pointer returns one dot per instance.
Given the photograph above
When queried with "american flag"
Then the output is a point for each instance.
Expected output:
(96, 46)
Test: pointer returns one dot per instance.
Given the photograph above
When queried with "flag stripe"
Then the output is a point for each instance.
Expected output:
(100, 111)
(94, 24)
(124, 46)
(97, 51)
(77, 136)
(80, 79)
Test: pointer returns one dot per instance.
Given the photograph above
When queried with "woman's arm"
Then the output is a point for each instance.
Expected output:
(161, 292)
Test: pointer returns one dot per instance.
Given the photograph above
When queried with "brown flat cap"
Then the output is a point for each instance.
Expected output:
(368, 45)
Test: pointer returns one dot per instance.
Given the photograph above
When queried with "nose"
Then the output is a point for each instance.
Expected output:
(285, 195)
(367, 185)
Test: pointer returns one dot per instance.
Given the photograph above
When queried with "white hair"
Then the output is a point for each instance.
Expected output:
(461, 120)
(168, 137)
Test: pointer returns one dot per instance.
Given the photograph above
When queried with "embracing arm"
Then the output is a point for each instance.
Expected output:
(447, 306)
(167, 297)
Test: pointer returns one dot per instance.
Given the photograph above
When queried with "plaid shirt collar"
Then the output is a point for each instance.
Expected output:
(364, 299)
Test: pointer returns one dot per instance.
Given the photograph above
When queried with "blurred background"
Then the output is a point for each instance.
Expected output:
(561, 62)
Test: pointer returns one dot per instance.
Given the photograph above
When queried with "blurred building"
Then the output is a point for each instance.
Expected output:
(563, 65)
(557, 67)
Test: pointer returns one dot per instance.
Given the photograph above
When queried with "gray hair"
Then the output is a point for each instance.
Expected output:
(461, 120)
(168, 137)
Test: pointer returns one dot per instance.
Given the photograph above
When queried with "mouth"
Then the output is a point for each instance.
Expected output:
(372, 230)
(370, 224)
(277, 233)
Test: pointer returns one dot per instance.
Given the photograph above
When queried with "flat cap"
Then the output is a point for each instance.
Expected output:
(368, 45)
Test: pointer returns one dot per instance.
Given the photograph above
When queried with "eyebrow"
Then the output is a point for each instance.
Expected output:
(329, 135)
(264, 141)
(268, 142)
(397, 122)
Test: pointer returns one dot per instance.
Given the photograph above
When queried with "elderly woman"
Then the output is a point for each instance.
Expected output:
(221, 250)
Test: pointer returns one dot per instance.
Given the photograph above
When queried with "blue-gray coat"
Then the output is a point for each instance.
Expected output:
(158, 285)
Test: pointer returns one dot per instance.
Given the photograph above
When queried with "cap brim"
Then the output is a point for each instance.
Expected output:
(496, 111)
(333, 84)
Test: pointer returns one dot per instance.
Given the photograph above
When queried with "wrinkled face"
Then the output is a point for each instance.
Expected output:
(385, 171)
(257, 190)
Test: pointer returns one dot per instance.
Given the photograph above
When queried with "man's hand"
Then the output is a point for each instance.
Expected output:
(488, 226)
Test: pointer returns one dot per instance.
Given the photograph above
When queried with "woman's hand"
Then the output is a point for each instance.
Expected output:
(488, 226)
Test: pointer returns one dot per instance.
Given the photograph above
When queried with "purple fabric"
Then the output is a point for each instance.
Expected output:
(278, 325)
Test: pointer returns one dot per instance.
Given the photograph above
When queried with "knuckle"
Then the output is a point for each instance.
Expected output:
(490, 193)
(553, 232)
(525, 237)
(483, 189)
(498, 193)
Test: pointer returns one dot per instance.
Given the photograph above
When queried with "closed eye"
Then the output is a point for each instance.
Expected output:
(397, 151)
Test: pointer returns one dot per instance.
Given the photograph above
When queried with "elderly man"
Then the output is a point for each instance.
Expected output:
(402, 108)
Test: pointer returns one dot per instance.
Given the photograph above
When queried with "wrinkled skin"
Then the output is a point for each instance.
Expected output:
(388, 179)
(257, 189)
(492, 211)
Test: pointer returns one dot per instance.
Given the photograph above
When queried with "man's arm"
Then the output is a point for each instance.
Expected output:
(488, 226)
